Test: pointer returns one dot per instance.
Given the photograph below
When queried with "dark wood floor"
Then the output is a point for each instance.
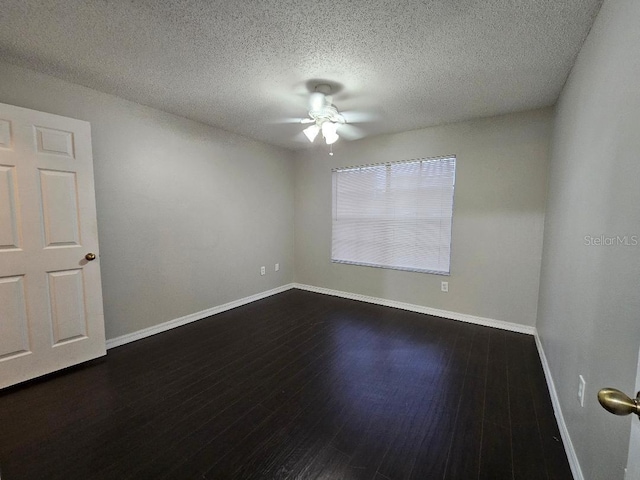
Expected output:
(296, 386)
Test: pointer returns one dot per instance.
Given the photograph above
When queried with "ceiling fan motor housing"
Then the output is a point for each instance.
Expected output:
(317, 101)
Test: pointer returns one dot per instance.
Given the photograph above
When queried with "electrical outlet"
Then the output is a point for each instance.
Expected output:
(444, 286)
(277, 267)
(263, 270)
(582, 385)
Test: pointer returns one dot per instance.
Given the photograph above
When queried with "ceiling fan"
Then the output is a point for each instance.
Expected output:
(325, 118)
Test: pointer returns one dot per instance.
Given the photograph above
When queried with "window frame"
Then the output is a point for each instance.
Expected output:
(388, 179)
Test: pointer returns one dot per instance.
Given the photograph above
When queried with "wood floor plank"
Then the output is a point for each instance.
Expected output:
(328, 464)
(438, 431)
(463, 458)
(529, 459)
(420, 438)
(495, 456)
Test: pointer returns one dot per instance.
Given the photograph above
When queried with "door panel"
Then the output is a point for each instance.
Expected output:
(5, 133)
(9, 218)
(66, 297)
(13, 310)
(59, 208)
(50, 297)
(54, 141)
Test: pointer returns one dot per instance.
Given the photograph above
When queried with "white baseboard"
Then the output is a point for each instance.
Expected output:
(555, 401)
(163, 327)
(463, 317)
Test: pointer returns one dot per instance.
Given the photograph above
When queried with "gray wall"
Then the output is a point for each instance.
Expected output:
(187, 213)
(497, 224)
(589, 311)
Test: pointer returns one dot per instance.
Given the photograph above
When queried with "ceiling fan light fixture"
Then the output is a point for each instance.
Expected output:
(329, 132)
(311, 132)
(331, 139)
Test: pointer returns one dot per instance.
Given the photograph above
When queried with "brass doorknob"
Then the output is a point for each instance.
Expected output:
(618, 403)
(90, 256)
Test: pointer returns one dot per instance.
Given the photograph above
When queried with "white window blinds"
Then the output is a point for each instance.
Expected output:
(395, 215)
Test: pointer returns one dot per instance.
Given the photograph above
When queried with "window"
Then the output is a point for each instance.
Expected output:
(394, 215)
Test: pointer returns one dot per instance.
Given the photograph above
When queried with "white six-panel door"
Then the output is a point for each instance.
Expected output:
(50, 296)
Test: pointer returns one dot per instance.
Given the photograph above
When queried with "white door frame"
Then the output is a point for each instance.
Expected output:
(632, 472)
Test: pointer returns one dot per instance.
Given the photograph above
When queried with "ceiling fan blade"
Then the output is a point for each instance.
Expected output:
(297, 120)
(349, 132)
(300, 137)
(353, 116)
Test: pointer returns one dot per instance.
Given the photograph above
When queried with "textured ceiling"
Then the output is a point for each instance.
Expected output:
(243, 65)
